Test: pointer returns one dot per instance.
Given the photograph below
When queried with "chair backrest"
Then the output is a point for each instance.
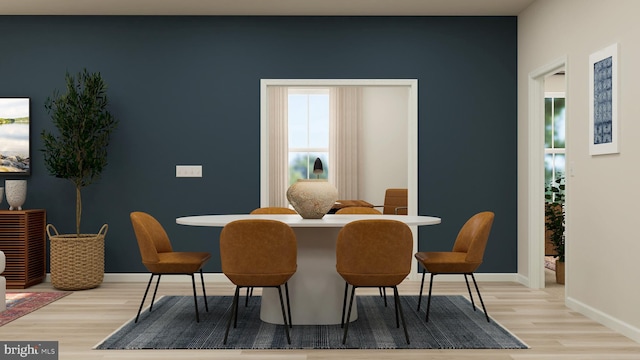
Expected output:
(472, 237)
(151, 236)
(251, 249)
(273, 210)
(358, 210)
(395, 201)
(375, 247)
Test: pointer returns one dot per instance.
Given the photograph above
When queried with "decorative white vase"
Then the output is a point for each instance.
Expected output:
(312, 198)
(16, 193)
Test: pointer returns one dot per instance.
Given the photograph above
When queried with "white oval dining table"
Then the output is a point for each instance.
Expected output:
(316, 290)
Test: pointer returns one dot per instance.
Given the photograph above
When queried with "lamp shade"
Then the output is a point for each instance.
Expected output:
(317, 166)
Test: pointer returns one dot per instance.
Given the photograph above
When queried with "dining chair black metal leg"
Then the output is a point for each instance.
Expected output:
(429, 297)
(246, 298)
(346, 326)
(153, 298)
(384, 292)
(395, 302)
(286, 290)
(470, 295)
(480, 296)
(195, 297)
(234, 306)
(421, 286)
(284, 315)
(204, 292)
(144, 298)
(399, 305)
(344, 303)
(235, 314)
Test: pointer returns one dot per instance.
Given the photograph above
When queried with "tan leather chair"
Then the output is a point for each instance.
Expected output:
(267, 210)
(465, 258)
(258, 253)
(358, 210)
(273, 210)
(364, 210)
(396, 202)
(160, 259)
(374, 253)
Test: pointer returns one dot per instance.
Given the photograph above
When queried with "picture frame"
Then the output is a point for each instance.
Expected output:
(604, 129)
(15, 136)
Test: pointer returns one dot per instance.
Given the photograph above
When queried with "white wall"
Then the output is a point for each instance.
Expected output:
(383, 143)
(602, 196)
(554, 83)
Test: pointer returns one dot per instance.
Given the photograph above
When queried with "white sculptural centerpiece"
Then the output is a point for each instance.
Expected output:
(312, 198)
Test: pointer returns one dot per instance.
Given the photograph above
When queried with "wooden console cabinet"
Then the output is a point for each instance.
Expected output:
(22, 239)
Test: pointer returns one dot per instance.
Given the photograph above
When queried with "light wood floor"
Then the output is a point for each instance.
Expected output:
(538, 317)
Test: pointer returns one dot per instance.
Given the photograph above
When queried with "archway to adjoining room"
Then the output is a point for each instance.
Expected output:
(407, 117)
(536, 161)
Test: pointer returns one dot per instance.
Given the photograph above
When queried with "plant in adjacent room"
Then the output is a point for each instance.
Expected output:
(79, 151)
(554, 212)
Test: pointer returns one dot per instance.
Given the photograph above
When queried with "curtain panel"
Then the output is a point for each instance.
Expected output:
(277, 108)
(344, 124)
(345, 119)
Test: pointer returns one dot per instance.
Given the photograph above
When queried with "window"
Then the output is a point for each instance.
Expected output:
(554, 138)
(308, 132)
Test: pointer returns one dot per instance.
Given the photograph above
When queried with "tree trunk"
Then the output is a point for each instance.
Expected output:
(78, 210)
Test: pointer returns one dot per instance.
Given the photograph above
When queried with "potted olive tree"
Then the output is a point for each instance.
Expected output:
(554, 222)
(78, 153)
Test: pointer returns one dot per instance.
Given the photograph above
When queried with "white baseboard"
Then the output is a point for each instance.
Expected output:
(615, 324)
(520, 279)
(221, 278)
(481, 277)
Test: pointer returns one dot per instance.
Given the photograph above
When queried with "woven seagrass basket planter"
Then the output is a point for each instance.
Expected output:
(76, 263)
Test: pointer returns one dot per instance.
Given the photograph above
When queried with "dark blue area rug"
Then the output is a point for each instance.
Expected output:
(452, 325)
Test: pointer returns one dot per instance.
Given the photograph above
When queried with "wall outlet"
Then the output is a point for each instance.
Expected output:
(188, 170)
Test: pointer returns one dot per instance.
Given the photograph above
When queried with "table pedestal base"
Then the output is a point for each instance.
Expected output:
(316, 290)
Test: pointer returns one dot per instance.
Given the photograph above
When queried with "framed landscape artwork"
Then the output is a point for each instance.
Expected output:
(603, 102)
(15, 157)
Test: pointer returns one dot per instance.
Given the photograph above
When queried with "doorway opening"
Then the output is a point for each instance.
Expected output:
(536, 161)
(555, 174)
(408, 116)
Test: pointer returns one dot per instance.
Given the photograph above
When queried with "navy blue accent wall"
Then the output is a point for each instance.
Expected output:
(186, 91)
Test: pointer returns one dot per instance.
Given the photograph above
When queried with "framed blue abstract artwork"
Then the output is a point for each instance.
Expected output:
(603, 101)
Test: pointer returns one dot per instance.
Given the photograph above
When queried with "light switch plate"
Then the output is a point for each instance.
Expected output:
(188, 170)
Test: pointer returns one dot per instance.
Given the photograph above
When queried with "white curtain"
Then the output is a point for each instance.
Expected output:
(344, 123)
(278, 145)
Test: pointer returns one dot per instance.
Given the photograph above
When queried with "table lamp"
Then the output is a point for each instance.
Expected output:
(317, 168)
